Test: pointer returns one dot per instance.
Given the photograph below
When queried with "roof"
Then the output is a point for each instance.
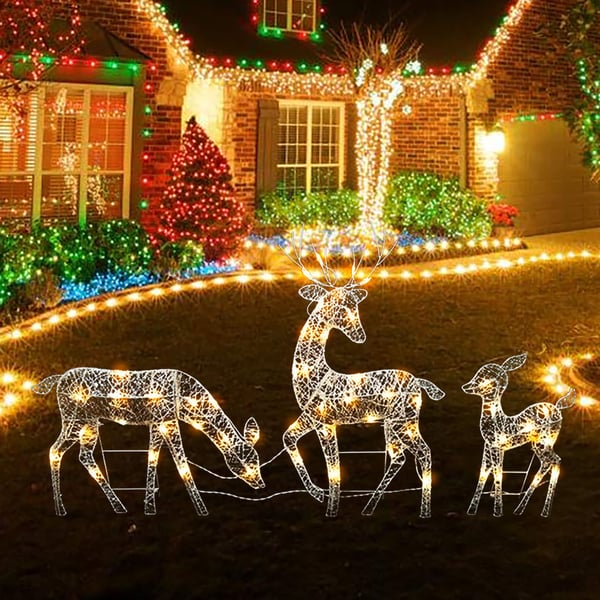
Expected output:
(101, 43)
(450, 33)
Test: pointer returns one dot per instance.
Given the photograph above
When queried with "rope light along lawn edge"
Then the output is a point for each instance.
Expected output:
(48, 321)
(554, 374)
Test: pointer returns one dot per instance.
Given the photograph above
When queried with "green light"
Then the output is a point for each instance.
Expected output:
(147, 109)
(147, 133)
(144, 204)
(112, 64)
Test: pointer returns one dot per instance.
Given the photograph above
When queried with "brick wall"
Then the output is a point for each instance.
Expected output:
(428, 139)
(163, 96)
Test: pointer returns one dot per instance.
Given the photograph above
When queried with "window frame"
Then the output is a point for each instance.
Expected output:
(289, 18)
(84, 172)
(310, 105)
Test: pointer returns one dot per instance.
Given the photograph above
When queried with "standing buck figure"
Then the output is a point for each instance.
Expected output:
(159, 399)
(539, 425)
(328, 398)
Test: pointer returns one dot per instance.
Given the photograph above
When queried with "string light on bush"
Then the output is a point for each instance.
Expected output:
(538, 424)
(328, 398)
(158, 398)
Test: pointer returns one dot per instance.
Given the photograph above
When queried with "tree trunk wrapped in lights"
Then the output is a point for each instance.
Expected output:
(377, 58)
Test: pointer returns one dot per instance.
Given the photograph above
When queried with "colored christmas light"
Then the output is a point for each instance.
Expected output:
(158, 398)
(199, 202)
(538, 424)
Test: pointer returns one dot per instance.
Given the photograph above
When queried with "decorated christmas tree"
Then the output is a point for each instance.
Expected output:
(199, 202)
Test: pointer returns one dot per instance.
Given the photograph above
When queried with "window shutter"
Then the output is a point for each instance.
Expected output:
(266, 159)
(351, 122)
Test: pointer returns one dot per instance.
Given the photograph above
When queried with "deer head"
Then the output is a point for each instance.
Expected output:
(338, 307)
(242, 458)
(492, 379)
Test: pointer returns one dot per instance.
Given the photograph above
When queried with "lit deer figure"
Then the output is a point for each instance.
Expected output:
(158, 399)
(539, 425)
(328, 398)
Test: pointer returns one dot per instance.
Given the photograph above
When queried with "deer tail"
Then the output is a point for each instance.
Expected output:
(45, 386)
(567, 401)
(432, 390)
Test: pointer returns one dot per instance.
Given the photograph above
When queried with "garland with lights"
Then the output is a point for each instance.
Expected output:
(583, 117)
(199, 203)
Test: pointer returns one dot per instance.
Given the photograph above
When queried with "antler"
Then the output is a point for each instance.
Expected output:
(331, 277)
(297, 260)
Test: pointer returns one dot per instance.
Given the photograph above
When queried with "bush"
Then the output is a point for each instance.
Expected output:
(427, 204)
(32, 263)
(279, 209)
(175, 258)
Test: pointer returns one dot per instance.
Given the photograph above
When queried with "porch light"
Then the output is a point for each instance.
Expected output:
(495, 141)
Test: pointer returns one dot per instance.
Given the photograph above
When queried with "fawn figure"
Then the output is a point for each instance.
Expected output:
(156, 398)
(539, 425)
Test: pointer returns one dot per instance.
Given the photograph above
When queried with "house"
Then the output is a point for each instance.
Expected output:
(522, 81)
(100, 135)
(99, 132)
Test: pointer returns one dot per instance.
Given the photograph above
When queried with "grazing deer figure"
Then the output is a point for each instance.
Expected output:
(157, 398)
(328, 398)
(539, 425)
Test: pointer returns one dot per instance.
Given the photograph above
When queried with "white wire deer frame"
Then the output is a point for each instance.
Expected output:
(328, 398)
(539, 424)
(156, 398)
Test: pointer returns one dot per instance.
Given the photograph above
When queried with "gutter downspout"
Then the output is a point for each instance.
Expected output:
(463, 145)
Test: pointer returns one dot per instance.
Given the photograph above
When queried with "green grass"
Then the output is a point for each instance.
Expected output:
(239, 343)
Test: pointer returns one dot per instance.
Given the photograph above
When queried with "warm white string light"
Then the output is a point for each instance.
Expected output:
(157, 398)
(328, 398)
(539, 425)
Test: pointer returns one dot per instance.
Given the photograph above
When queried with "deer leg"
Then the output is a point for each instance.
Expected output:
(328, 439)
(422, 454)
(66, 439)
(156, 441)
(295, 431)
(551, 488)
(548, 460)
(484, 473)
(172, 436)
(497, 461)
(395, 450)
(88, 437)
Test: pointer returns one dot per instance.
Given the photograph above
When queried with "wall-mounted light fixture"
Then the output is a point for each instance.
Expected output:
(494, 141)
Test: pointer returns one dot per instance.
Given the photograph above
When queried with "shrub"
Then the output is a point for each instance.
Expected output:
(427, 204)
(338, 208)
(503, 214)
(175, 258)
(33, 265)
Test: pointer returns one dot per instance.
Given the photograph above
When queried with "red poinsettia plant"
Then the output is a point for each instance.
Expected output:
(503, 214)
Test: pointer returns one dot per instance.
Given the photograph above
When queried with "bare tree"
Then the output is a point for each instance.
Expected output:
(375, 58)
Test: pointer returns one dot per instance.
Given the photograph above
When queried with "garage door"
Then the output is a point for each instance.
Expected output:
(541, 173)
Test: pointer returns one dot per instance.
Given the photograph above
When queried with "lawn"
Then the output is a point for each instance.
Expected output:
(239, 341)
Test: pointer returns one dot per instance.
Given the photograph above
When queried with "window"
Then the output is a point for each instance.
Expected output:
(290, 15)
(310, 148)
(70, 159)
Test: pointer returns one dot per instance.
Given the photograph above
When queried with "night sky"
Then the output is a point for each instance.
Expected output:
(450, 30)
